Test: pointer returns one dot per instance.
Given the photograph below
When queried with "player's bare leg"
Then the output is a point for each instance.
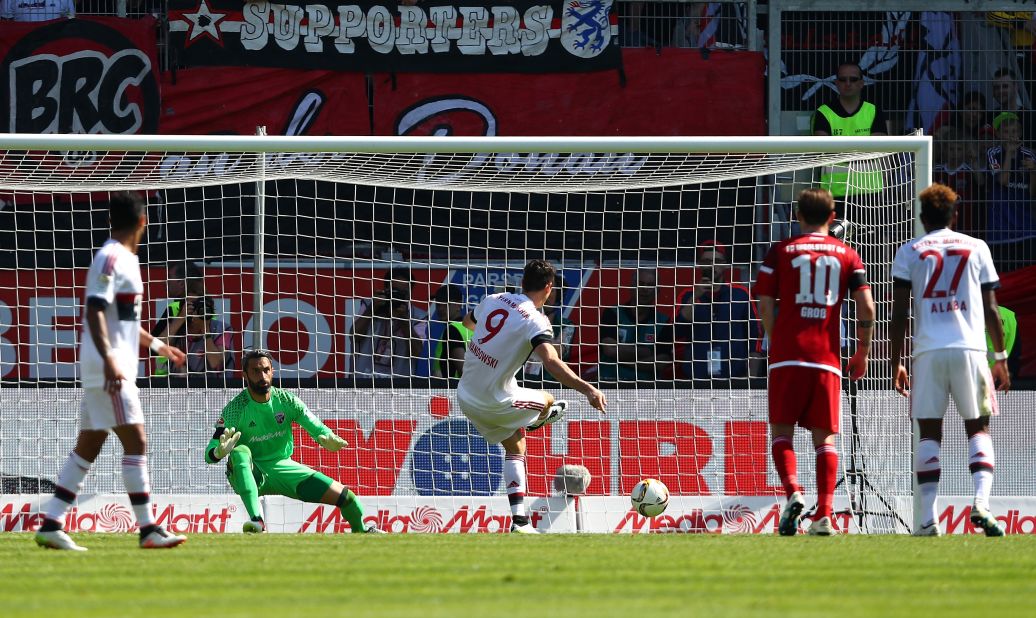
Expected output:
(138, 485)
(827, 474)
(928, 467)
(782, 450)
(981, 461)
(351, 507)
(514, 480)
(70, 480)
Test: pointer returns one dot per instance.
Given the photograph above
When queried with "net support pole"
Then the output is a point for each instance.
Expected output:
(259, 249)
(923, 176)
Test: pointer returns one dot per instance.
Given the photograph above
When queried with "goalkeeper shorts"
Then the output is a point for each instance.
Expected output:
(282, 477)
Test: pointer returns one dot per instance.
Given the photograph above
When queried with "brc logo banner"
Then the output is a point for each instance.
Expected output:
(96, 75)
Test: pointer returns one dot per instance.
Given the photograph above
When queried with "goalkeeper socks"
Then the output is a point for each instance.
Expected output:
(244, 482)
(783, 451)
(514, 479)
(70, 481)
(981, 461)
(928, 469)
(138, 486)
(352, 510)
(827, 472)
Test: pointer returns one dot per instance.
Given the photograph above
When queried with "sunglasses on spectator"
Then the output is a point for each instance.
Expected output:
(852, 79)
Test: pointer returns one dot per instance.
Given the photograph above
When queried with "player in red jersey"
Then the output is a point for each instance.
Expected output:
(801, 286)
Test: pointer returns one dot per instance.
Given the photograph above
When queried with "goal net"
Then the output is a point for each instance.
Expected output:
(349, 258)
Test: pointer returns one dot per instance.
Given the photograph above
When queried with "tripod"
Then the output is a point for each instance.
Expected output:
(858, 486)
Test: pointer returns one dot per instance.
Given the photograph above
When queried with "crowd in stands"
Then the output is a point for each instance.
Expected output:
(988, 158)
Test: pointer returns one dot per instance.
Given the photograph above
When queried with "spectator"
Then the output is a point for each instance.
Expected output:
(184, 285)
(563, 329)
(385, 340)
(953, 170)
(206, 340)
(636, 340)
(1009, 99)
(972, 121)
(37, 10)
(972, 118)
(448, 356)
(1021, 25)
(849, 115)
(1011, 230)
(717, 322)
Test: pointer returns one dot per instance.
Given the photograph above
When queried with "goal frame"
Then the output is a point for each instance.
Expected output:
(919, 146)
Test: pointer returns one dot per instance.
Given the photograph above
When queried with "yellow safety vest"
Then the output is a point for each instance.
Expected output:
(835, 178)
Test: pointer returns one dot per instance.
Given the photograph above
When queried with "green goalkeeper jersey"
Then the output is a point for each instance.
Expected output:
(266, 427)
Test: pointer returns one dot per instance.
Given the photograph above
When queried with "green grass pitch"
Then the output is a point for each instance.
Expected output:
(495, 575)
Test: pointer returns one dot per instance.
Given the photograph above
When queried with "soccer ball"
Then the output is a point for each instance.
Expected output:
(650, 497)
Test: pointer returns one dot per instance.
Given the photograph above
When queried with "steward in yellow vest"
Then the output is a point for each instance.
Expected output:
(850, 115)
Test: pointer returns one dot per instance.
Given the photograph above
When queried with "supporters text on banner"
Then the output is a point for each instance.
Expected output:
(439, 37)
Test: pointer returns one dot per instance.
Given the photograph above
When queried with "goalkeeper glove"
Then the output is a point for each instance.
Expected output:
(227, 441)
(331, 442)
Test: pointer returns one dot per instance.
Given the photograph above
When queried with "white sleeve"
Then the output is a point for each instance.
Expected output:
(900, 265)
(100, 279)
(987, 270)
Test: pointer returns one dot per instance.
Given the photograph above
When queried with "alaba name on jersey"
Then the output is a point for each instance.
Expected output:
(947, 271)
(114, 279)
(507, 328)
(809, 275)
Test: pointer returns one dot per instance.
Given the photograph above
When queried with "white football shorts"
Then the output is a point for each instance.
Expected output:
(497, 421)
(952, 372)
(101, 410)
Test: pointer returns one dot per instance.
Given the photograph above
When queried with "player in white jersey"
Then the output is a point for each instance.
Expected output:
(109, 353)
(953, 281)
(507, 328)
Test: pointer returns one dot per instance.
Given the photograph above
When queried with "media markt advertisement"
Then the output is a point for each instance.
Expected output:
(223, 513)
(419, 466)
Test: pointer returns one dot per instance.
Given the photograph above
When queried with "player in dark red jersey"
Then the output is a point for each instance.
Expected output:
(801, 286)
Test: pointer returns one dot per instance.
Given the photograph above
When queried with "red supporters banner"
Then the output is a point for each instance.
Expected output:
(96, 75)
(219, 100)
(677, 92)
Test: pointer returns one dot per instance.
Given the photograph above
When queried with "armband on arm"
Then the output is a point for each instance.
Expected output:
(156, 345)
(1000, 356)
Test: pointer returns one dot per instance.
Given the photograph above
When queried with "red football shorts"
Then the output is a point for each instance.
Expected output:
(805, 396)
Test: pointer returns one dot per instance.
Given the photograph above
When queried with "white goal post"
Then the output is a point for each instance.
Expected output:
(290, 237)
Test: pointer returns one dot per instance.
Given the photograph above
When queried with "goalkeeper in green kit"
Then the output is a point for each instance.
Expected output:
(254, 435)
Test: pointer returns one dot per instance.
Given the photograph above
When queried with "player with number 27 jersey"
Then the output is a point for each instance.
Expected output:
(810, 276)
(948, 269)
